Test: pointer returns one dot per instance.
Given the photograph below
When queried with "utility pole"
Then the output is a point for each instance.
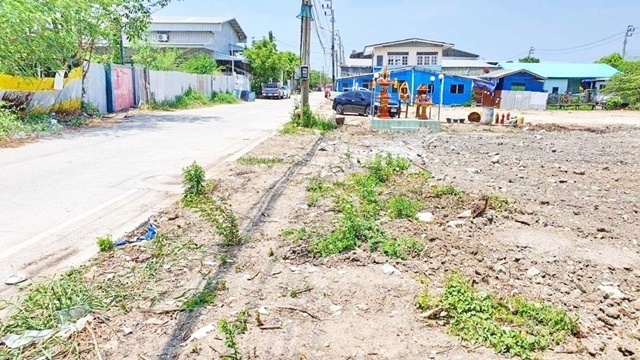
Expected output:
(531, 50)
(330, 11)
(306, 16)
(628, 34)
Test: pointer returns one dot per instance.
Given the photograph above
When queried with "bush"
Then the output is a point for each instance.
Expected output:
(306, 119)
(613, 103)
(223, 98)
(193, 181)
(13, 123)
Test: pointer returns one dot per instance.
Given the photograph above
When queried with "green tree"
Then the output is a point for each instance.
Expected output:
(529, 59)
(40, 37)
(614, 60)
(154, 58)
(318, 78)
(269, 64)
(200, 64)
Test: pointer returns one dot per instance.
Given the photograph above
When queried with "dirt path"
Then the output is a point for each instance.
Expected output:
(568, 236)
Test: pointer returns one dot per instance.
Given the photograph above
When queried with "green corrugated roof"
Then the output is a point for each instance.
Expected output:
(565, 71)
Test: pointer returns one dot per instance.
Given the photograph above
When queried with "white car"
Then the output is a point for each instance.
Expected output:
(286, 92)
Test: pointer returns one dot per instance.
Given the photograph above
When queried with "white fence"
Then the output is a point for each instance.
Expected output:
(523, 100)
(167, 85)
(95, 85)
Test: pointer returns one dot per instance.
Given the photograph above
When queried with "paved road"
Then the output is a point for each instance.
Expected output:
(60, 193)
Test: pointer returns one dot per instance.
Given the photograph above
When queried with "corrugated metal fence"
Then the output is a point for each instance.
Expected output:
(523, 100)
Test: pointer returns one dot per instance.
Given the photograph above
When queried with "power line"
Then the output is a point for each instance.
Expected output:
(583, 45)
(584, 49)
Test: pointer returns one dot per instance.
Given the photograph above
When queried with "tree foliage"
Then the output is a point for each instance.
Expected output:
(626, 83)
(529, 59)
(318, 78)
(200, 64)
(269, 64)
(40, 37)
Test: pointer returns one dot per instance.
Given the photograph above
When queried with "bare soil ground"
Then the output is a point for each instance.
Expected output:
(569, 237)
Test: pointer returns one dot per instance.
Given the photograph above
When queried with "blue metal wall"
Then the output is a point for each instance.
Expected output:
(529, 81)
(414, 78)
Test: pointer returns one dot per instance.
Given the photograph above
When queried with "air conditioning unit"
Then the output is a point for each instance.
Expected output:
(163, 37)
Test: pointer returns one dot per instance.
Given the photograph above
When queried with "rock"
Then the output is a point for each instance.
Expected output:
(611, 291)
(294, 269)
(610, 312)
(500, 269)
(606, 320)
(472, 171)
(263, 311)
(553, 150)
(579, 172)
(390, 270)
(127, 330)
(335, 308)
(626, 350)
(495, 159)
(533, 272)
(545, 201)
(636, 305)
(465, 214)
(362, 307)
(454, 224)
(425, 217)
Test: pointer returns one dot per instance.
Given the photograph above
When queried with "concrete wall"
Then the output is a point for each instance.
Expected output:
(41, 95)
(561, 84)
(412, 50)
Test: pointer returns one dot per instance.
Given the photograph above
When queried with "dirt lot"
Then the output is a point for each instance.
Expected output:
(568, 236)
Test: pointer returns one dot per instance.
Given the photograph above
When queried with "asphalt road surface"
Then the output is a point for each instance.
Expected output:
(57, 195)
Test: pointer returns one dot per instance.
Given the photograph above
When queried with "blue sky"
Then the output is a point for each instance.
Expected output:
(494, 29)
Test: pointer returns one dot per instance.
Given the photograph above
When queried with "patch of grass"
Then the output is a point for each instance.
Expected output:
(501, 204)
(74, 121)
(105, 243)
(223, 98)
(193, 181)
(223, 258)
(422, 174)
(317, 189)
(222, 218)
(401, 248)
(402, 207)
(230, 330)
(21, 124)
(250, 160)
(297, 235)
(513, 326)
(382, 168)
(445, 190)
(90, 110)
(203, 298)
(305, 119)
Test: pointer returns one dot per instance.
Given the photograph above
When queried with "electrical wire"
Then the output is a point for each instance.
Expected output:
(583, 45)
(582, 49)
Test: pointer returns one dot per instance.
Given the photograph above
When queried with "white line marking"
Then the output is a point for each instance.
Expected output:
(14, 249)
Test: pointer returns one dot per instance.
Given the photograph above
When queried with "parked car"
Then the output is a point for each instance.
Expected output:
(272, 91)
(360, 102)
(286, 93)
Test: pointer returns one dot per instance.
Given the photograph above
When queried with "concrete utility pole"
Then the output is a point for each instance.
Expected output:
(305, 17)
(628, 34)
(330, 11)
(531, 50)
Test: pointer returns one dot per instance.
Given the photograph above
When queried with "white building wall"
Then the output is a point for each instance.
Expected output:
(412, 50)
(561, 84)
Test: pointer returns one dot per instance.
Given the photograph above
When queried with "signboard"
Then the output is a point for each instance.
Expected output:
(304, 72)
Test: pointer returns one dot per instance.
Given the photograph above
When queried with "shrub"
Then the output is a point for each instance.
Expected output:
(224, 98)
(193, 180)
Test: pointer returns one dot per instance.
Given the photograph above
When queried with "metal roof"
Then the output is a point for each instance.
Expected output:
(459, 53)
(506, 72)
(369, 48)
(191, 20)
(565, 70)
(455, 63)
(358, 62)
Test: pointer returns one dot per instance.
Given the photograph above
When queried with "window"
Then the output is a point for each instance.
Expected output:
(457, 89)
(517, 86)
(379, 60)
(345, 86)
(555, 90)
(398, 58)
(427, 58)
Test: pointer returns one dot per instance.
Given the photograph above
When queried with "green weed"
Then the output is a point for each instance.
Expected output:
(382, 168)
(250, 160)
(223, 258)
(513, 326)
(15, 123)
(90, 110)
(445, 190)
(401, 248)
(297, 235)
(222, 218)
(230, 330)
(306, 119)
(190, 99)
(193, 181)
(105, 243)
(203, 298)
(500, 203)
(401, 207)
(223, 98)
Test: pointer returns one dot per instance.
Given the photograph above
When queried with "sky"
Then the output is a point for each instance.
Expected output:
(559, 30)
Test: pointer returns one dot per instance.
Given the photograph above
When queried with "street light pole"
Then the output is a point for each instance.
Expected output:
(441, 77)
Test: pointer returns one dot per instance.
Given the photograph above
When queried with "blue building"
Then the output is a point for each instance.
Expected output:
(457, 90)
(515, 80)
